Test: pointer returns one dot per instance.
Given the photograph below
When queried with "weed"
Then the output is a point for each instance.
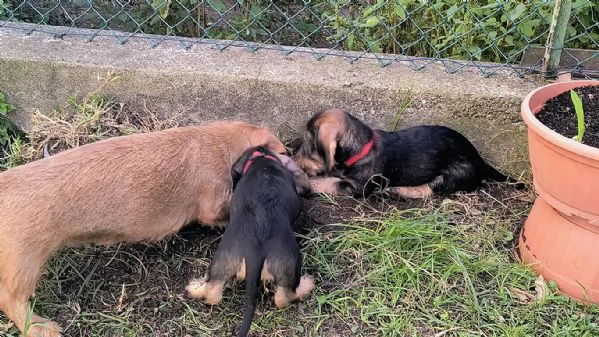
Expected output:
(579, 114)
(10, 136)
(6, 127)
(87, 119)
(406, 103)
(5, 9)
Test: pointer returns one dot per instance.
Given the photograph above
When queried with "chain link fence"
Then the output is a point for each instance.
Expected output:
(491, 35)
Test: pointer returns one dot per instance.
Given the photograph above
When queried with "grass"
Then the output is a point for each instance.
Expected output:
(446, 268)
(415, 273)
(384, 267)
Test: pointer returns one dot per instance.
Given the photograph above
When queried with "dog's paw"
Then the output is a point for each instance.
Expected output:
(196, 288)
(305, 287)
(207, 291)
(325, 185)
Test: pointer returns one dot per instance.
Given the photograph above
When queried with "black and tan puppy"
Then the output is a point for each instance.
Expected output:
(414, 163)
(259, 243)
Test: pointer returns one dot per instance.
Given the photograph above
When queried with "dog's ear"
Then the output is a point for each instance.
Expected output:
(275, 145)
(237, 168)
(263, 136)
(302, 182)
(328, 135)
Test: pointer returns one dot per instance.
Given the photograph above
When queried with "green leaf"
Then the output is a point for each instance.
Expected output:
(517, 12)
(155, 20)
(368, 11)
(400, 11)
(256, 10)
(162, 6)
(526, 28)
(509, 40)
(372, 21)
(3, 109)
(218, 5)
(452, 10)
(350, 41)
(579, 114)
(3, 136)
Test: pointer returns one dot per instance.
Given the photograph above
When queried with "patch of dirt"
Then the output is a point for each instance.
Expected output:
(559, 115)
(149, 279)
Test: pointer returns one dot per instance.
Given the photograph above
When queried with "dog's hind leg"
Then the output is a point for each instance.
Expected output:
(19, 273)
(209, 291)
(284, 295)
(222, 269)
(459, 176)
(412, 192)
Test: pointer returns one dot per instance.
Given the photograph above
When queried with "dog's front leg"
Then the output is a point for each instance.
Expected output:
(412, 192)
(332, 185)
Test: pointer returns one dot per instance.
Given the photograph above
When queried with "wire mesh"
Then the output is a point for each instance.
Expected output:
(491, 35)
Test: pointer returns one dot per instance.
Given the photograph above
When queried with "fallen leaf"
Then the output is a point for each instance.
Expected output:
(541, 288)
(523, 296)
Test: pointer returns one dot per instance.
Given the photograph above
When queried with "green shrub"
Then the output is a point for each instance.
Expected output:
(479, 30)
(482, 30)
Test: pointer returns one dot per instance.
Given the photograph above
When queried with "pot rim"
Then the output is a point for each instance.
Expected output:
(548, 134)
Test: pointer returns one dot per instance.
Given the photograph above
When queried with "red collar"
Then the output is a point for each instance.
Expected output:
(255, 155)
(365, 150)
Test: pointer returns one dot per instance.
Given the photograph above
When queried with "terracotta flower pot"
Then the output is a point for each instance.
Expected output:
(562, 250)
(565, 172)
(560, 238)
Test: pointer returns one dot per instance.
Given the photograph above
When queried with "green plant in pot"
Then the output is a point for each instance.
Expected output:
(560, 238)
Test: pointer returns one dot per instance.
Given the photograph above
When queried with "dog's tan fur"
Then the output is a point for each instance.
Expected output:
(211, 292)
(412, 192)
(324, 184)
(285, 296)
(133, 188)
(331, 127)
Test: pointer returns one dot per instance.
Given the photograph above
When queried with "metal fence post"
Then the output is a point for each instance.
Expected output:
(557, 34)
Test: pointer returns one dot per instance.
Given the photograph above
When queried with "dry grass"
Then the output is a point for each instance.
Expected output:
(88, 119)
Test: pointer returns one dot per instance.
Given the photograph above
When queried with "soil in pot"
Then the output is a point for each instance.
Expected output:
(558, 114)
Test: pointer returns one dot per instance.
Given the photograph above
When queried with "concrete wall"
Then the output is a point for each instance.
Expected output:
(280, 91)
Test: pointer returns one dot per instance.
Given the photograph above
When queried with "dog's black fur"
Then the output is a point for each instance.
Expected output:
(262, 211)
(430, 154)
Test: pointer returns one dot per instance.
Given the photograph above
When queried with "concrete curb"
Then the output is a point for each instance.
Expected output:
(39, 72)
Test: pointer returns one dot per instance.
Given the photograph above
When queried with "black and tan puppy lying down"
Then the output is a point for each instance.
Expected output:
(415, 162)
(259, 243)
(133, 188)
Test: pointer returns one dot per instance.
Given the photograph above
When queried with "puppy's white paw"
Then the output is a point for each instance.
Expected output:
(305, 287)
(325, 185)
(196, 288)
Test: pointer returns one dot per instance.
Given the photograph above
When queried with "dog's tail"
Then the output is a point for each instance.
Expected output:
(253, 269)
(494, 175)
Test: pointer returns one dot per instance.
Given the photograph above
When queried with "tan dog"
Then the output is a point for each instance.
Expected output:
(141, 187)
